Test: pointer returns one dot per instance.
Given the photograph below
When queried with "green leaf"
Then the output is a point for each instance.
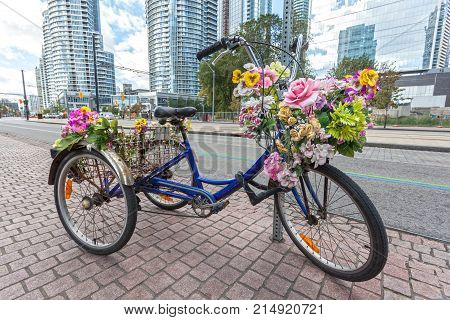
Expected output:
(346, 150)
(67, 142)
(324, 119)
(114, 125)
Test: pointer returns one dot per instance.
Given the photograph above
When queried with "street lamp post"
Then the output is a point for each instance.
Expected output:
(214, 91)
(97, 105)
(25, 101)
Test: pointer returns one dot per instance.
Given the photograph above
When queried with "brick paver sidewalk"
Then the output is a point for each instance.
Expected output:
(226, 256)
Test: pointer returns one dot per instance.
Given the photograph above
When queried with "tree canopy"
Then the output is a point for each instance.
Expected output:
(265, 29)
(351, 65)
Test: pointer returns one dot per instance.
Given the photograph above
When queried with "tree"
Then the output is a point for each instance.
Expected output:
(390, 94)
(266, 29)
(351, 65)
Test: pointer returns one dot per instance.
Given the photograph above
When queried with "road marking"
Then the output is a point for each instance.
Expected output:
(27, 128)
(442, 187)
(399, 181)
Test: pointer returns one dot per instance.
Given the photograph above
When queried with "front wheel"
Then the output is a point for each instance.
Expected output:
(96, 209)
(342, 232)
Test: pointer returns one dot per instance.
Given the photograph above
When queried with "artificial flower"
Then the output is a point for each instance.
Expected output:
(302, 93)
(284, 113)
(280, 146)
(272, 165)
(237, 76)
(280, 70)
(250, 78)
(291, 121)
(287, 178)
(368, 77)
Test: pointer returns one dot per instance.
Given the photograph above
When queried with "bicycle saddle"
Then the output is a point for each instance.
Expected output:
(169, 112)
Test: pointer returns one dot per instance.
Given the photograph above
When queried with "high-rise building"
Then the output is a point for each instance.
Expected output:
(223, 18)
(301, 8)
(413, 34)
(177, 30)
(71, 30)
(240, 11)
(357, 41)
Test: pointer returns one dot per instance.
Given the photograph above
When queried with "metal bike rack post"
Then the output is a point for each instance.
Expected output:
(277, 226)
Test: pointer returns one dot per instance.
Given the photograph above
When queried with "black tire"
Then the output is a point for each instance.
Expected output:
(377, 248)
(65, 170)
(174, 175)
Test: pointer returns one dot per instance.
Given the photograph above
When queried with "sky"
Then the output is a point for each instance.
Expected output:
(123, 28)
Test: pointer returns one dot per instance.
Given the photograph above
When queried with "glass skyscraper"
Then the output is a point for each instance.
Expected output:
(357, 41)
(240, 11)
(71, 29)
(413, 34)
(177, 30)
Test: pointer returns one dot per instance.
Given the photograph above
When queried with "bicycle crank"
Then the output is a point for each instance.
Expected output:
(203, 208)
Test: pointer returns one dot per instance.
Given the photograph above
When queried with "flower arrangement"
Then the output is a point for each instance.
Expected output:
(312, 121)
(83, 124)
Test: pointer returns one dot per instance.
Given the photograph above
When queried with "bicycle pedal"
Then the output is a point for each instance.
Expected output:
(219, 206)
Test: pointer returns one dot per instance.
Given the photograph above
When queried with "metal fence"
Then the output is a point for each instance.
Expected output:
(218, 116)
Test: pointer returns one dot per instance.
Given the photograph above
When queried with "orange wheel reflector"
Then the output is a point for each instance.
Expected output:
(68, 189)
(166, 197)
(309, 242)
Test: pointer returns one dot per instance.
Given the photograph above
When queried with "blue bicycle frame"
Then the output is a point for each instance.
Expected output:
(153, 181)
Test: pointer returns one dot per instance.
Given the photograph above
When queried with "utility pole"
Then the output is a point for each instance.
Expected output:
(25, 101)
(214, 91)
(288, 22)
(97, 104)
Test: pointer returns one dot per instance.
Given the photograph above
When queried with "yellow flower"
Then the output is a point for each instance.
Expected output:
(187, 124)
(291, 121)
(306, 130)
(294, 135)
(237, 76)
(314, 122)
(85, 109)
(284, 113)
(368, 77)
(280, 146)
(250, 78)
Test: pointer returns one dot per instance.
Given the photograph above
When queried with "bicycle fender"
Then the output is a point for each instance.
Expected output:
(121, 168)
(57, 159)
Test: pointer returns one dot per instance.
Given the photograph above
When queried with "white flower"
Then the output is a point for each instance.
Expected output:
(268, 102)
(249, 66)
(321, 153)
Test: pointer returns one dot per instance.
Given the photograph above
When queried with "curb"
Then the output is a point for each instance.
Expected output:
(368, 144)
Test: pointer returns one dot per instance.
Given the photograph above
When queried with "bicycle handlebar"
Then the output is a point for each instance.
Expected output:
(217, 46)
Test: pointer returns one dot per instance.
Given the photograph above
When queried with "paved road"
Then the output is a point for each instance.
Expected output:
(411, 189)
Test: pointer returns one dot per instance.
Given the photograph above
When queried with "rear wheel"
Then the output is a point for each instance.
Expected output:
(343, 233)
(181, 173)
(97, 221)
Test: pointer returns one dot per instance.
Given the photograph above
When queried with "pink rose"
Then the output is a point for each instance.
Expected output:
(302, 93)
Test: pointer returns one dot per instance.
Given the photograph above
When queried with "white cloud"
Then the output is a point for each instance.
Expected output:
(20, 43)
(124, 34)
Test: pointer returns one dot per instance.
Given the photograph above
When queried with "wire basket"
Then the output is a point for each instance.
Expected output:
(144, 152)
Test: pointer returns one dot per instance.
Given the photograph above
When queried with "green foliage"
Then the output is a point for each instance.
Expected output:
(347, 121)
(67, 142)
(390, 94)
(351, 65)
(266, 29)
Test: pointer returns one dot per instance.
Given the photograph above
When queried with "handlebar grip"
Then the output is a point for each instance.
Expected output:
(222, 44)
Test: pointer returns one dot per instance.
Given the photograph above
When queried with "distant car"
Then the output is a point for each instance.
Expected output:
(107, 115)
